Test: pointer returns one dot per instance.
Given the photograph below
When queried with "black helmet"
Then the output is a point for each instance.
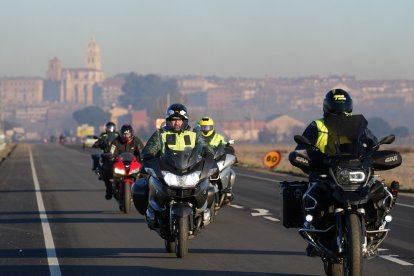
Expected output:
(176, 111)
(125, 130)
(110, 127)
(337, 101)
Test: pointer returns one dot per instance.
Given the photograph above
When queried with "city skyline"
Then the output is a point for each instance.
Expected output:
(240, 38)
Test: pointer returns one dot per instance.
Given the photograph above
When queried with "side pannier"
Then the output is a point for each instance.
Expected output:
(292, 193)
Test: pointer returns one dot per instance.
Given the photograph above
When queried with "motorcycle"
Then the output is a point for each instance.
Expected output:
(126, 170)
(176, 194)
(350, 219)
(223, 181)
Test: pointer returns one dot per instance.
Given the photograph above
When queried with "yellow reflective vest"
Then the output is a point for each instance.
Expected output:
(217, 140)
(178, 141)
(322, 140)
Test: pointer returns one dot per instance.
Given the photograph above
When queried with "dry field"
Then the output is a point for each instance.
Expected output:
(252, 156)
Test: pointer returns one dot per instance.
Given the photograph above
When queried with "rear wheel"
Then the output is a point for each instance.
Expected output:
(126, 197)
(182, 237)
(213, 210)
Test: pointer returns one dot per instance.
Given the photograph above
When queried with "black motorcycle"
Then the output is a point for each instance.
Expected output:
(350, 218)
(176, 194)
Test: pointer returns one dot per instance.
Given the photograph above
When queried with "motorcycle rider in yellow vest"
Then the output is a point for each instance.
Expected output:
(209, 134)
(337, 102)
(177, 135)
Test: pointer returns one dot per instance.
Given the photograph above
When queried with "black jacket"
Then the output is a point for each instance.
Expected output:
(134, 147)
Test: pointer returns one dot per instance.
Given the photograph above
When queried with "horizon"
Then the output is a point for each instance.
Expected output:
(234, 38)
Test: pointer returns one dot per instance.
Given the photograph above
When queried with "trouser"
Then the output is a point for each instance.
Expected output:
(107, 176)
(96, 161)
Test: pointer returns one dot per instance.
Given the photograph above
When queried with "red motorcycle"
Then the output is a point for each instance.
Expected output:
(126, 171)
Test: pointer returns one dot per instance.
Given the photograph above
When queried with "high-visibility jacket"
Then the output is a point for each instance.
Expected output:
(178, 141)
(216, 140)
(322, 140)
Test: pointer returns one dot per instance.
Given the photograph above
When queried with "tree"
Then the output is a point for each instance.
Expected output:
(382, 128)
(149, 92)
(92, 115)
(266, 136)
(379, 127)
(401, 131)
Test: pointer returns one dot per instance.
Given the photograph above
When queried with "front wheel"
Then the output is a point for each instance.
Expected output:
(126, 198)
(353, 246)
(182, 237)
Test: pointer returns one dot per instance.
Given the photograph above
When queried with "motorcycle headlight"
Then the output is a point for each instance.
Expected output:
(119, 171)
(357, 176)
(134, 171)
(350, 177)
(189, 180)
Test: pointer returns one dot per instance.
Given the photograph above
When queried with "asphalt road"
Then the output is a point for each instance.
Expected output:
(54, 220)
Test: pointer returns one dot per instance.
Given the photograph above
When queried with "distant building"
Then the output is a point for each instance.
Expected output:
(15, 91)
(75, 85)
(283, 127)
(246, 130)
(107, 92)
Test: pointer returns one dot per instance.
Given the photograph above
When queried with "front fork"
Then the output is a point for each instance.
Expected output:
(339, 221)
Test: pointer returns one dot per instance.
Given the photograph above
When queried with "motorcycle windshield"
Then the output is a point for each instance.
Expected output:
(183, 160)
(219, 151)
(346, 135)
(126, 157)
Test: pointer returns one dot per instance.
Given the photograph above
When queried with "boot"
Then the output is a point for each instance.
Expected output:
(108, 193)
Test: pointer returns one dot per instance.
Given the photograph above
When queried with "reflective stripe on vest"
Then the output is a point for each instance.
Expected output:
(322, 141)
(217, 140)
(177, 141)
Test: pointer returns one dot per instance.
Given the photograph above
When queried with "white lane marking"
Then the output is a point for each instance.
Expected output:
(392, 259)
(258, 177)
(277, 180)
(395, 260)
(271, 218)
(260, 212)
(405, 205)
(47, 233)
(236, 206)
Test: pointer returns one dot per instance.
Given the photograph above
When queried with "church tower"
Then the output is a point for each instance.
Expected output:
(93, 56)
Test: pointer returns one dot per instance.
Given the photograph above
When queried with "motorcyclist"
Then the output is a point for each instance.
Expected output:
(337, 102)
(208, 133)
(103, 143)
(177, 135)
(125, 142)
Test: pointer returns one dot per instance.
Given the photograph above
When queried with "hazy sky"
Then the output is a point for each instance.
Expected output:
(369, 39)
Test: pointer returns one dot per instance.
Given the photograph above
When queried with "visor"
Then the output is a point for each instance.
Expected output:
(206, 128)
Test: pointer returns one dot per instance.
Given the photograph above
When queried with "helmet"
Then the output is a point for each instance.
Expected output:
(125, 129)
(176, 111)
(337, 101)
(110, 127)
(206, 126)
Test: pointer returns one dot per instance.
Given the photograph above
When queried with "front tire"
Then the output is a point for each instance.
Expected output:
(127, 198)
(353, 250)
(182, 237)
